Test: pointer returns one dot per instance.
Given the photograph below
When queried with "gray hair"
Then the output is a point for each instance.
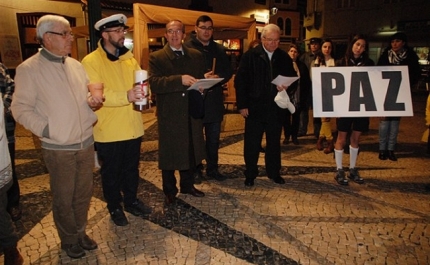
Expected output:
(270, 28)
(47, 23)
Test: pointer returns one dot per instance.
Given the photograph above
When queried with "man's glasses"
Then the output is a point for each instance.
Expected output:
(64, 34)
(118, 31)
(174, 31)
(270, 40)
(206, 28)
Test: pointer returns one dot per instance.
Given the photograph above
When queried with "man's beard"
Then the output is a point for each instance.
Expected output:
(117, 44)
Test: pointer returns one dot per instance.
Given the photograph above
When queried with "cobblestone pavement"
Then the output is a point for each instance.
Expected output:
(309, 220)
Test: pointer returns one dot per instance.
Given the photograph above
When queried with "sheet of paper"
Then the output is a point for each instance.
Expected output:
(284, 80)
(205, 83)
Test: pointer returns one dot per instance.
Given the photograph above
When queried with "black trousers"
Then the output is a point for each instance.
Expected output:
(13, 194)
(186, 181)
(253, 135)
(119, 171)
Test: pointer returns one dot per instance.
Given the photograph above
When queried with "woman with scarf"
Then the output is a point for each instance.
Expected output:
(325, 59)
(397, 53)
(356, 55)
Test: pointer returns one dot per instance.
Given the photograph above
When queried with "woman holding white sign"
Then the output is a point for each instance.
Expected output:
(397, 53)
(356, 55)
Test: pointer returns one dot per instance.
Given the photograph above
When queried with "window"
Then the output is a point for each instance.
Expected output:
(346, 3)
(280, 23)
(287, 27)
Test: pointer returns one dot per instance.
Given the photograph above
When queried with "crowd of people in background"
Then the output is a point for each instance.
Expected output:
(189, 120)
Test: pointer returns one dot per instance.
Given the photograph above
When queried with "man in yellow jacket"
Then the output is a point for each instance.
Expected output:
(118, 132)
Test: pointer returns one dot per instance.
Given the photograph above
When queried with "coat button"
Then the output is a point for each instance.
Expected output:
(183, 94)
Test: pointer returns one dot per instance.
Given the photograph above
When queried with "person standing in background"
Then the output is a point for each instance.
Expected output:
(298, 93)
(8, 236)
(7, 87)
(397, 53)
(51, 100)
(307, 58)
(325, 59)
(255, 100)
(119, 130)
(203, 41)
(172, 71)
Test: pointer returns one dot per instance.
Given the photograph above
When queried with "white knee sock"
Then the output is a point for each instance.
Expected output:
(353, 153)
(338, 154)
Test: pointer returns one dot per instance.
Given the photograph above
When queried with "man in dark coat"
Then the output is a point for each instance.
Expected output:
(172, 71)
(214, 99)
(255, 96)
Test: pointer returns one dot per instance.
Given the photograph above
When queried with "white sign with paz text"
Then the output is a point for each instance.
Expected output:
(371, 91)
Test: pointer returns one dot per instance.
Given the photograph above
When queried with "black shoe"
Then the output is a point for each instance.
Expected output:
(382, 155)
(137, 208)
(286, 141)
(355, 176)
(194, 192)
(278, 179)
(249, 182)
(87, 243)
(340, 177)
(198, 177)
(392, 156)
(15, 213)
(295, 141)
(217, 176)
(75, 251)
(170, 199)
(118, 217)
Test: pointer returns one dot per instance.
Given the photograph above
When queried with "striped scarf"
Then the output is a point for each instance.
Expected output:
(395, 58)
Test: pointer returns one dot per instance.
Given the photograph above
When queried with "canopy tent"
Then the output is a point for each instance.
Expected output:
(145, 16)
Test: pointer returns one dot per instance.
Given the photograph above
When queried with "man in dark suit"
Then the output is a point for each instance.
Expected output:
(255, 96)
(214, 99)
(172, 71)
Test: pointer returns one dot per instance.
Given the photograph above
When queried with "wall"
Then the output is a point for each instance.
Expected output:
(9, 9)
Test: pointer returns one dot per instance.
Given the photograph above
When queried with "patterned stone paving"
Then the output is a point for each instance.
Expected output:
(309, 220)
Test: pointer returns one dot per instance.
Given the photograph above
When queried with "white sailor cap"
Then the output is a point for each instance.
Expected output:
(116, 20)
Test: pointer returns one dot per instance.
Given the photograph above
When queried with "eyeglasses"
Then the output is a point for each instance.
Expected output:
(174, 31)
(118, 31)
(206, 28)
(270, 40)
(63, 34)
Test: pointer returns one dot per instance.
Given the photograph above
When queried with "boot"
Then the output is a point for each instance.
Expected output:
(12, 256)
(320, 143)
(330, 147)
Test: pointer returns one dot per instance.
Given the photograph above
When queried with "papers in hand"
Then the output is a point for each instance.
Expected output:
(205, 83)
(284, 80)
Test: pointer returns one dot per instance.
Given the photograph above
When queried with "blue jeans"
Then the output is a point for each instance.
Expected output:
(212, 134)
(388, 131)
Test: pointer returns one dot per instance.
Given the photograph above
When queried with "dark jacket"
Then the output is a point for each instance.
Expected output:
(254, 89)
(411, 61)
(214, 99)
(174, 120)
(305, 85)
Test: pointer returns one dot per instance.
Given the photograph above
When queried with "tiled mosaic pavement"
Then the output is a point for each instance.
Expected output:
(309, 220)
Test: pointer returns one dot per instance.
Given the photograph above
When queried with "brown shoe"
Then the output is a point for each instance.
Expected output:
(87, 243)
(320, 143)
(329, 148)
